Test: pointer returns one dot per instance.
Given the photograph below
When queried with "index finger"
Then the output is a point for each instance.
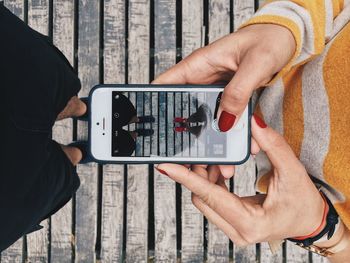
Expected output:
(274, 145)
(175, 75)
(193, 69)
(227, 205)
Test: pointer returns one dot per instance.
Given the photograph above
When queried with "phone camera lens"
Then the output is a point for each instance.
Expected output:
(103, 133)
(98, 123)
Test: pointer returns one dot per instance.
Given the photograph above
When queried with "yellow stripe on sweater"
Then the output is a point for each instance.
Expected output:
(337, 162)
(338, 6)
(293, 113)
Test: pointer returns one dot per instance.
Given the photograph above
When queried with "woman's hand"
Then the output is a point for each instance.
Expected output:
(292, 207)
(246, 60)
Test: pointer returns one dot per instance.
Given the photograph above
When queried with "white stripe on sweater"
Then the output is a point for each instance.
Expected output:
(315, 144)
(329, 18)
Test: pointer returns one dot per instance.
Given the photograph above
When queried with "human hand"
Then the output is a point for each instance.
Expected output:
(246, 59)
(292, 207)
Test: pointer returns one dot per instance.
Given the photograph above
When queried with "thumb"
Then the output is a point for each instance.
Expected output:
(274, 145)
(252, 73)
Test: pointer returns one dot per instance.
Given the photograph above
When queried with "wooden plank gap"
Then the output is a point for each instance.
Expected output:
(87, 194)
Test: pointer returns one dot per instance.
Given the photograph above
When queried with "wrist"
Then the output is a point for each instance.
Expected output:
(317, 220)
(331, 244)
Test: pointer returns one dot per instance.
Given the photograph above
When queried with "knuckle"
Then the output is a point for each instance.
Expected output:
(195, 52)
(238, 242)
(266, 61)
(275, 141)
(198, 202)
(195, 200)
(199, 50)
(235, 96)
(186, 65)
(249, 235)
(199, 53)
(205, 198)
(208, 196)
(266, 55)
(253, 232)
(237, 93)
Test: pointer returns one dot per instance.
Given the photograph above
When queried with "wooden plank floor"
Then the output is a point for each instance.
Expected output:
(113, 175)
(131, 213)
(62, 222)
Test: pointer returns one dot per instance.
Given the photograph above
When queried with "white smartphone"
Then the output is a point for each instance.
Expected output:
(163, 123)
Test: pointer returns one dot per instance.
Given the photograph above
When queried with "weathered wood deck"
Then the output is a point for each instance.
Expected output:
(130, 212)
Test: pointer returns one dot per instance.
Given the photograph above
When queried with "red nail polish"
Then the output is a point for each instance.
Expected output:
(259, 121)
(226, 121)
(161, 171)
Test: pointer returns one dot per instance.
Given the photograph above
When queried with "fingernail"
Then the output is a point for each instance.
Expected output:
(226, 121)
(161, 171)
(259, 121)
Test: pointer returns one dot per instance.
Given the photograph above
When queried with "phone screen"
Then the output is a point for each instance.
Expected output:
(166, 124)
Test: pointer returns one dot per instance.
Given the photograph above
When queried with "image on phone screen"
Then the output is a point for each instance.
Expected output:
(166, 124)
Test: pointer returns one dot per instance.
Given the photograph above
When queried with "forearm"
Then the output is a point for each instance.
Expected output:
(341, 257)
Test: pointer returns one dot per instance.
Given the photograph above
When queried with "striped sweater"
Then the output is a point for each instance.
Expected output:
(309, 100)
